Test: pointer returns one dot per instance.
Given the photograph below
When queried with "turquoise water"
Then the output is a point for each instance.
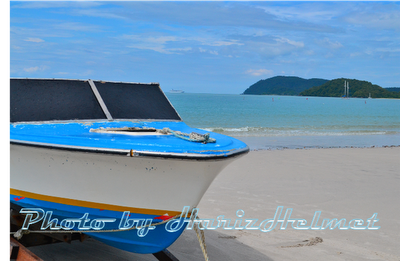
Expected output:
(271, 122)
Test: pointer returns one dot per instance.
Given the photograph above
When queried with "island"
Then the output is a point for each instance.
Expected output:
(393, 89)
(296, 86)
(283, 85)
(357, 89)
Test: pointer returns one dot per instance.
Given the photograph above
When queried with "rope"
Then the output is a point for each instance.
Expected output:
(194, 137)
(200, 236)
(198, 227)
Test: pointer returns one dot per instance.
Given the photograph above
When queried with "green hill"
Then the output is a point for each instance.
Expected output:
(393, 89)
(283, 85)
(358, 89)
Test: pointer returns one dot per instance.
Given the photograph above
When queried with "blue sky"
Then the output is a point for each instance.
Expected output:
(209, 47)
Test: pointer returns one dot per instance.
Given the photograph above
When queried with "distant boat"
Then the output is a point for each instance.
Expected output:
(176, 91)
(369, 97)
(346, 90)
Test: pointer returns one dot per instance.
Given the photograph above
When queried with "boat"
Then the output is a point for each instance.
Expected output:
(88, 156)
(346, 90)
(176, 91)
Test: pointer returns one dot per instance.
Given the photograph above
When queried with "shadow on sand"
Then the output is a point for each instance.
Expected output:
(219, 247)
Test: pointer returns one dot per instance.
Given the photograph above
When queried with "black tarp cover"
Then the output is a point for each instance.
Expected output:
(49, 99)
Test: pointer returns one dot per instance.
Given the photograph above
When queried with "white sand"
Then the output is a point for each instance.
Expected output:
(341, 183)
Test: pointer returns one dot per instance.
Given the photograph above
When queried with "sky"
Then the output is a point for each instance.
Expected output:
(205, 47)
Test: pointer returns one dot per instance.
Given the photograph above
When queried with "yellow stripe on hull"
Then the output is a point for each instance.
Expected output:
(88, 204)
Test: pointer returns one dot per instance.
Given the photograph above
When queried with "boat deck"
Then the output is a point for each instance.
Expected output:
(110, 136)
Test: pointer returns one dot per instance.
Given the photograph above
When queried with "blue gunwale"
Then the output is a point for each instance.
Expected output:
(77, 134)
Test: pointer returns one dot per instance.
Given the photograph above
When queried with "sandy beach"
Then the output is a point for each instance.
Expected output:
(340, 183)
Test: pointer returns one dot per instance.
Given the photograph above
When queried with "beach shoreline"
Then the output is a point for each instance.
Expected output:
(320, 142)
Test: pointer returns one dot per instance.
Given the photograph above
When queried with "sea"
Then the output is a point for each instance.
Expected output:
(270, 122)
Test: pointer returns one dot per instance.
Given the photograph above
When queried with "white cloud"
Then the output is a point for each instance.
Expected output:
(35, 69)
(219, 43)
(268, 47)
(294, 43)
(157, 44)
(55, 4)
(35, 40)
(310, 12)
(31, 69)
(388, 50)
(326, 42)
(202, 50)
(259, 72)
(74, 26)
(381, 19)
(163, 44)
(61, 73)
(186, 49)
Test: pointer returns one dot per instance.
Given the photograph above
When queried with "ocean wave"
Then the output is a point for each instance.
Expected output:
(272, 132)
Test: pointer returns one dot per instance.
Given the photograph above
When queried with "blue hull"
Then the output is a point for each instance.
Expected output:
(153, 241)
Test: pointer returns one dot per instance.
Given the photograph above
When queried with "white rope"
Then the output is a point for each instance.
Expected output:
(201, 237)
(193, 136)
(202, 241)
